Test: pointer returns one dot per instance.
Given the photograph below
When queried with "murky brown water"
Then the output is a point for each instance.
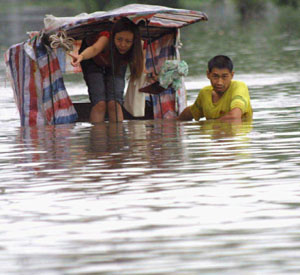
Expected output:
(162, 197)
(154, 197)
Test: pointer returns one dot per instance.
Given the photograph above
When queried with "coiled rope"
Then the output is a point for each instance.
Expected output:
(61, 39)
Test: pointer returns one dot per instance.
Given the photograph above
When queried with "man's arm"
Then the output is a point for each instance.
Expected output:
(234, 115)
(186, 114)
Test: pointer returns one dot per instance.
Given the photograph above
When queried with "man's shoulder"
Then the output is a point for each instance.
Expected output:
(238, 84)
(239, 88)
(205, 92)
(206, 89)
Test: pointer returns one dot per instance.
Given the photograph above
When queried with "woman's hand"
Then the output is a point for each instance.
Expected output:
(90, 51)
(76, 59)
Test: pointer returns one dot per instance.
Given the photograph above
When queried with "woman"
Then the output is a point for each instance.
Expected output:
(106, 79)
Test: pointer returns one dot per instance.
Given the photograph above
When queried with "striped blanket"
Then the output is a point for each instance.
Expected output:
(170, 102)
(38, 85)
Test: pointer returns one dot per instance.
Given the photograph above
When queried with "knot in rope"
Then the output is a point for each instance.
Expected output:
(61, 40)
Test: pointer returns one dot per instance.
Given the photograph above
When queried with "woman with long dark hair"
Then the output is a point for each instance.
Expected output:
(104, 59)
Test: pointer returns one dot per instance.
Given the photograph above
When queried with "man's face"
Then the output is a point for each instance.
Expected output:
(220, 79)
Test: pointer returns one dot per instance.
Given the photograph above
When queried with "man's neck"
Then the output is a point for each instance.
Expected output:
(216, 96)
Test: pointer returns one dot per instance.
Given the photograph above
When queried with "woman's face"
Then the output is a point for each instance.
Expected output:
(124, 41)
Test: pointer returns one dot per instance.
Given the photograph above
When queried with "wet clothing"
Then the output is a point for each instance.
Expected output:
(97, 72)
(100, 85)
(237, 96)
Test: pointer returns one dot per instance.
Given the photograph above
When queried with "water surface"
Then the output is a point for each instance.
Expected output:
(159, 197)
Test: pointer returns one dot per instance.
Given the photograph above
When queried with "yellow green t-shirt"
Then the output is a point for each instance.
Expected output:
(237, 96)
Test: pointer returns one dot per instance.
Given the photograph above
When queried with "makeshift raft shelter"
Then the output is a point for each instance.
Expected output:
(36, 66)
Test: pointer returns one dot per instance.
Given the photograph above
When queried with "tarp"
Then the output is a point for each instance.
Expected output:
(159, 19)
(38, 85)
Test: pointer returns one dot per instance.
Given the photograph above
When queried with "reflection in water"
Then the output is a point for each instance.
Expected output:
(225, 142)
(231, 136)
(147, 141)
(149, 196)
(130, 145)
(107, 138)
(49, 145)
(222, 130)
(136, 146)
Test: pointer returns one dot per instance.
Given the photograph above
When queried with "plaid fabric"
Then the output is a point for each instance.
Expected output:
(38, 86)
(164, 104)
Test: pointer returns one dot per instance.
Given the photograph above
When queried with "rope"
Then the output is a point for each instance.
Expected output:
(153, 64)
(114, 77)
(151, 51)
(61, 40)
(51, 89)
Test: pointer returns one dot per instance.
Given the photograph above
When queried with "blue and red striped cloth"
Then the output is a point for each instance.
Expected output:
(38, 85)
(168, 103)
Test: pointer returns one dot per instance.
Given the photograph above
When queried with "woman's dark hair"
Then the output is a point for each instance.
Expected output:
(220, 62)
(135, 55)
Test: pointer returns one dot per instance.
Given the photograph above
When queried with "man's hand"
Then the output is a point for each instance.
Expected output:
(186, 114)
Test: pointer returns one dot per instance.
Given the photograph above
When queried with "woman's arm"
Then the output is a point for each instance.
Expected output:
(91, 51)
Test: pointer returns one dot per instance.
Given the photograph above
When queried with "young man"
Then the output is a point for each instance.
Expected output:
(225, 99)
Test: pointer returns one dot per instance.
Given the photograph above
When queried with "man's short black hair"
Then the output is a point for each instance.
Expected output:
(220, 62)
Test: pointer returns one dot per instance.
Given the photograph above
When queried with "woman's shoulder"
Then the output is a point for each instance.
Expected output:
(93, 38)
(104, 33)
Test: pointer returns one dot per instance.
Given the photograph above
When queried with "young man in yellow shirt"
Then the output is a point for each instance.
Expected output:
(225, 99)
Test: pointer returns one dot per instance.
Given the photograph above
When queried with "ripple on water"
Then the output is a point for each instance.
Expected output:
(164, 197)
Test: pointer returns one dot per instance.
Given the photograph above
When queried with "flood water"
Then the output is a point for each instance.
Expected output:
(162, 197)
